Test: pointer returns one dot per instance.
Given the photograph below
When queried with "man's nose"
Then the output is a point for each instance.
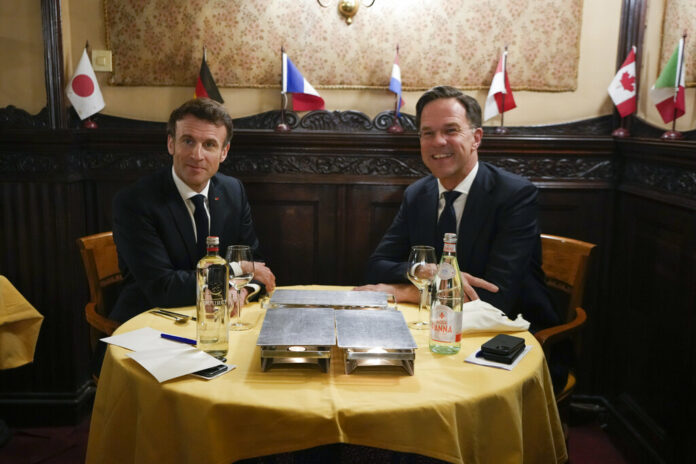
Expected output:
(439, 138)
(198, 151)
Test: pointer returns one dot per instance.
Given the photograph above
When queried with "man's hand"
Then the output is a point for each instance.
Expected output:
(264, 275)
(469, 282)
(404, 293)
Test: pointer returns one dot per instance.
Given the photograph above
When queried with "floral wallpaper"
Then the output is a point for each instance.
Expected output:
(680, 16)
(455, 42)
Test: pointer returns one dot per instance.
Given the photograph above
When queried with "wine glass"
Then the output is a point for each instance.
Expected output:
(422, 268)
(241, 272)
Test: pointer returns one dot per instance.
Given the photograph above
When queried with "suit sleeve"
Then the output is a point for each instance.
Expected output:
(146, 258)
(511, 250)
(388, 262)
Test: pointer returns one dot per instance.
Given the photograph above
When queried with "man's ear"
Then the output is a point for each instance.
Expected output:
(478, 136)
(223, 155)
(170, 144)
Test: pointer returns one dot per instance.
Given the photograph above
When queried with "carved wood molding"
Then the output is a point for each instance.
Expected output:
(668, 179)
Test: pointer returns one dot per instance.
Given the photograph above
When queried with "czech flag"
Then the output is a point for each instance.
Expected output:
(205, 86)
(305, 97)
(395, 83)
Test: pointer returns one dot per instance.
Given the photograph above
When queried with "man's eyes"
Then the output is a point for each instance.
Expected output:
(210, 144)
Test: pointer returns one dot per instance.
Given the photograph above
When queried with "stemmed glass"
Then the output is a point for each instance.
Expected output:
(422, 268)
(241, 272)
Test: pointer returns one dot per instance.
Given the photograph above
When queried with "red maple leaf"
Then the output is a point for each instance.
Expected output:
(627, 81)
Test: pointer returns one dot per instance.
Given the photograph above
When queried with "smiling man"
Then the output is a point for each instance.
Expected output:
(161, 222)
(493, 213)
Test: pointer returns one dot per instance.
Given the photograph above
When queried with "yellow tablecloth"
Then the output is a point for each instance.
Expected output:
(19, 327)
(449, 410)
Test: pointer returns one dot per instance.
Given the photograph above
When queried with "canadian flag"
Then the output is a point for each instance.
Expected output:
(83, 89)
(622, 89)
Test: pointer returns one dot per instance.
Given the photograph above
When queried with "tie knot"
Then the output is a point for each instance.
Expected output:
(198, 200)
(451, 196)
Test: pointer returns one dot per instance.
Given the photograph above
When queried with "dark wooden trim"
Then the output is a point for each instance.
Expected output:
(53, 63)
(54, 408)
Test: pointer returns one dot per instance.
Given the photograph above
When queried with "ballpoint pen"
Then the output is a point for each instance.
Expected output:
(178, 339)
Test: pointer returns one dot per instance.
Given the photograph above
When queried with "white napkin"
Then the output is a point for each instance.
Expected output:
(479, 316)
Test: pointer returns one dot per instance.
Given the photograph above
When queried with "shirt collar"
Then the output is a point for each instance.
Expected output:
(185, 191)
(464, 186)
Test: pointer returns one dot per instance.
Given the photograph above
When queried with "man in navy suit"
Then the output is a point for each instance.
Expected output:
(494, 212)
(155, 230)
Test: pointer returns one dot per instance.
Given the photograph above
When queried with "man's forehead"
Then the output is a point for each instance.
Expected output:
(191, 125)
(444, 112)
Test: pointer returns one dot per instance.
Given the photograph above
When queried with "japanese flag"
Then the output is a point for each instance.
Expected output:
(83, 89)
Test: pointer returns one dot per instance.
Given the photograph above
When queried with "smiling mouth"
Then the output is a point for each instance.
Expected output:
(438, 156)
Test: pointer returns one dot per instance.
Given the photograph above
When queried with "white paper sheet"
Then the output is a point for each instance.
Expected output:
(168, 363)
(146, 338)
(484, 362)
(164, 359)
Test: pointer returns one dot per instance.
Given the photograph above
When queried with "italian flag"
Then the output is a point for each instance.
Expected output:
(668, 91)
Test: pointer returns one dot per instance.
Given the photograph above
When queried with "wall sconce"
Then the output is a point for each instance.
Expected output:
(348, 8)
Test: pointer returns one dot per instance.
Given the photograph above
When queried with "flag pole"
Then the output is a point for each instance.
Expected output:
(502, 129)
(89, 123)
(396, 127)
(674, 134)
(283, 126)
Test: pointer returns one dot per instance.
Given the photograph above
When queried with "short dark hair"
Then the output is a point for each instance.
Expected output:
(471, 106)
(205, 109)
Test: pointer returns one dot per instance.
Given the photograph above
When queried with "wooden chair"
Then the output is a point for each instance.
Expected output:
(104, 278)
(564, 261)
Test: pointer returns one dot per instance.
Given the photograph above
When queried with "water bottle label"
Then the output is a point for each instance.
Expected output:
(445, 271)
(445, 324)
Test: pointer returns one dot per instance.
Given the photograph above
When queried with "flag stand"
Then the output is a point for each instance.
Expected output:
(283, 126)
(396, 128)
(621, 131)
(89, 123)
(673, 134)
(501, 129)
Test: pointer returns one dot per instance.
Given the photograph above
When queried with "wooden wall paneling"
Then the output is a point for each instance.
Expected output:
(654, 296)
(655, 272)
(296, 226)
(370, 210)
(40, 221)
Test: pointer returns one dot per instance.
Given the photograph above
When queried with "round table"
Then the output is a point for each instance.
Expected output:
(449, 410)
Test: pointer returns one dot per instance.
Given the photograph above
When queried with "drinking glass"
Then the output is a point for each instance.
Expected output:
(422, 268)
(241, 272)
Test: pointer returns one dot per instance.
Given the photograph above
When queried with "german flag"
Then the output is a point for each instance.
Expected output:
(205, 86)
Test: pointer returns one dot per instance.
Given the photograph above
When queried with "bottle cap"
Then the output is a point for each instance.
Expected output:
(212, 240)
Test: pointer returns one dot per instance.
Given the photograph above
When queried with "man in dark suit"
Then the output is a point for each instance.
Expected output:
(494, 212)
(158, 235)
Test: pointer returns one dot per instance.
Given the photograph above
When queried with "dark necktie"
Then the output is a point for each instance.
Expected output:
(201, 219)
(448, 219)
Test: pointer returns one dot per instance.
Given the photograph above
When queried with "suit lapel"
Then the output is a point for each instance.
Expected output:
(181, 216)
(426, 206)
(475, 213)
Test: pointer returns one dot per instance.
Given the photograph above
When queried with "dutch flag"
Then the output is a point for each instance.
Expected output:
(305, 97)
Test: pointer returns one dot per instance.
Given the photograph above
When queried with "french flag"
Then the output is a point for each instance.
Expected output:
(395, 83)
(305, 97)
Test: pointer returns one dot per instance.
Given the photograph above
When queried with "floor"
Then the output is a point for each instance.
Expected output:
(587, 443)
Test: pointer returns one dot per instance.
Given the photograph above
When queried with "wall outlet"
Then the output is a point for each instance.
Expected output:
(101, 60)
